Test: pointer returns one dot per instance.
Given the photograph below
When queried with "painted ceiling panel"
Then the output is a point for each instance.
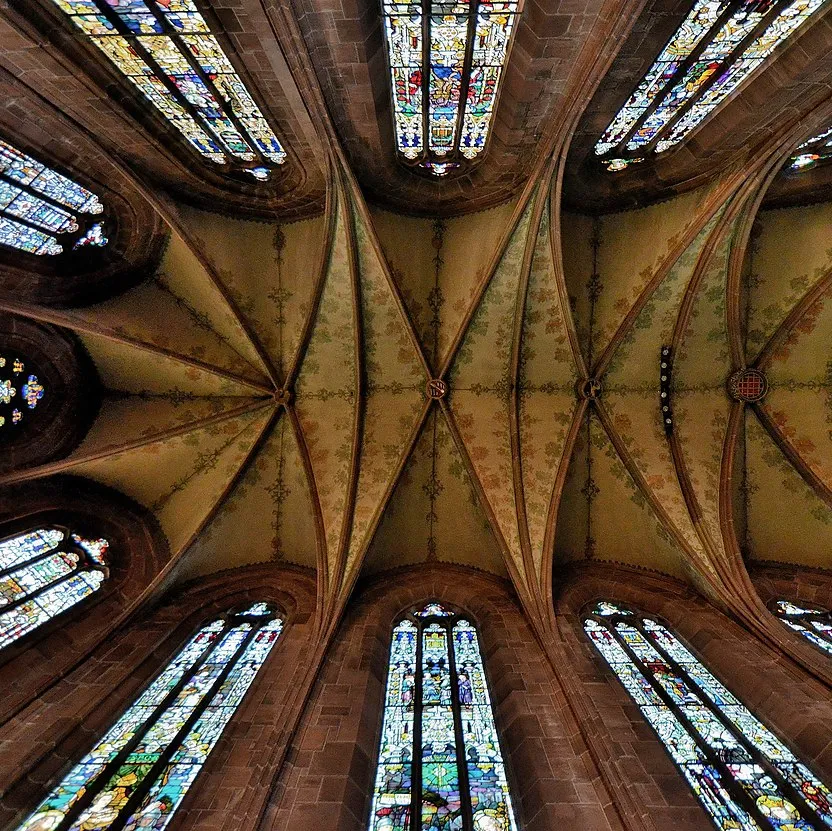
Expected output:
(438, 265)
(804, 358)
(326, 393)
(395, 389)
(619, 525)
(271, 269)
(787, 521)
(128, 368)
(578, 258)
(272, 497)
(133, 419)
(434, 513)
(182, 273)
(791, 249)
(632, 246)
(173, 327)
(181, 478)
(804, 417)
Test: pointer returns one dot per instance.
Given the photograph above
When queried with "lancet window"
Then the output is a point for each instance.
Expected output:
(167, 51)
(814, 624)
(139, 772)
(446, 58)
(440, 767)
(43, 212)
(718, 46)
(43, 573)
(743, 775)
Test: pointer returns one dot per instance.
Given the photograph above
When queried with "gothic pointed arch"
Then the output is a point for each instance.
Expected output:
(197, 101)
(739, 770)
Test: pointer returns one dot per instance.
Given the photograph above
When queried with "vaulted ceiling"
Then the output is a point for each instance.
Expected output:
(265, 382)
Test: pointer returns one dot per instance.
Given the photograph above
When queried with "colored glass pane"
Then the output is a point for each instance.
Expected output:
(440, 766)
(816, 150)
(139, 772)
(742, 774)
(20, 392)
(168, 53)
(37, 205)
(443, 109)
(43, 575)
(716, 48)
(813, 624)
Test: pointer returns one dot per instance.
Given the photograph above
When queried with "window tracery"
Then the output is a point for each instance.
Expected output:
(446, 58)
(43, 573)
(139, 772)
(814, 624)
(718, 46)
(165, 48)
(440, 767)
(742, 774)
(43, 212)
(20, 391)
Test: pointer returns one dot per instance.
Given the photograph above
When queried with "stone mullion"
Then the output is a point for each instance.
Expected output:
(416, 761)
(171, 31)
(677, 76)
(725, 64)
(124, 31)
(461, 759)
(94, 787)
(760, 758)
(736, 791)
(143, 788)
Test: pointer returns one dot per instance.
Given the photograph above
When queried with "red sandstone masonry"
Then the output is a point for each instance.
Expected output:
(40, 745)
(786, 698)
(328, 782)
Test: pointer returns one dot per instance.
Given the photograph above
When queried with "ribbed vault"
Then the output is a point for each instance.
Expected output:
(266, 385)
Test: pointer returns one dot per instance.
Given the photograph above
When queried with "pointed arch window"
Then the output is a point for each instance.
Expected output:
(742, 774)
(167, 51)
(44, 573)
(43, 212)
(814, 624)
(718, 46)
(440, 765)
(446, 58)
(137, 775)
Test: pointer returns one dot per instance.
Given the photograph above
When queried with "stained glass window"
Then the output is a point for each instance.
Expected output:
(815, 151)
(717, 47)
(440, 766)
(44, 573)
(43, 212)
(814, 624)
(139, 772)
(446, 58)
(744, 776)
(20, 392)
(166, 49)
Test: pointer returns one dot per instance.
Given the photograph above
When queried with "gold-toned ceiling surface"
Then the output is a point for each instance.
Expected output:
(266, 386)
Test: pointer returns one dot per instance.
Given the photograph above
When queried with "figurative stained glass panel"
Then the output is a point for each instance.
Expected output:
(20, 393)
(742, 774)
(43, 212)
(814, 624)
(44, 573)
(446, 59)
(717, 47)
(167, 51)
(138, 773)
(440, 767)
